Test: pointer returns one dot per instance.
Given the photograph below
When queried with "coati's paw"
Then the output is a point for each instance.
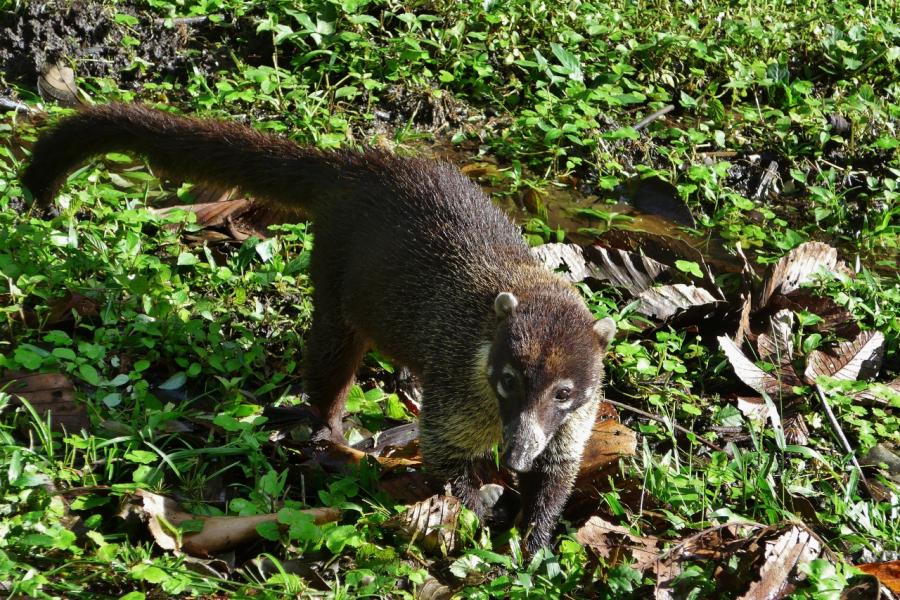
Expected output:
(490, 493)
(499, 505)
(325, 433)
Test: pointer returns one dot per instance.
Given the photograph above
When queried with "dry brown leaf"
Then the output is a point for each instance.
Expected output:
(850, 361)
(743, 320)
(755, 377)
(666, 301)
(566, 259)
(432, 523)
(629, 270)
(875, 396)
(209, 214)
(609, 441)
(57, 81)
(163, 514)
(835, 318)
(753, 407)
(616, 544)
(798, 267)
(766, 556)
(432, 589)
(783, 555)
(51, 393)
(888, 573)
(777, 345)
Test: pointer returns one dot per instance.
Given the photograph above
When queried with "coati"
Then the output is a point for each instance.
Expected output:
(412, 258)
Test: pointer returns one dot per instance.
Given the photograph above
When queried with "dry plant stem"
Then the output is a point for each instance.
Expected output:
(659, 419)
(843, 438)
(653, 116)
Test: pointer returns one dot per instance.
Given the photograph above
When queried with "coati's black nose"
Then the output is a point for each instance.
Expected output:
(516, 460)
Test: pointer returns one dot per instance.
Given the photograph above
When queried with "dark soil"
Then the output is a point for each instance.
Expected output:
(85, 35)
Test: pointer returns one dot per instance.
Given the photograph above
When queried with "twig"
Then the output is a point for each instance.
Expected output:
(654, 116)
(659, 419)
(843, 438)
(767, 179)
(9, 104)
(189, 21)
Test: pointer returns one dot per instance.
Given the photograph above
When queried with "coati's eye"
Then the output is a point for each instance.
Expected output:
(564, 393)
(508, 381)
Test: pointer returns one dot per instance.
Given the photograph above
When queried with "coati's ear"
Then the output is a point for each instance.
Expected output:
(605, 330)
(505, 303)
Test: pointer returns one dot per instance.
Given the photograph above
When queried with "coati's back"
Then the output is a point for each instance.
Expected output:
(402, 236)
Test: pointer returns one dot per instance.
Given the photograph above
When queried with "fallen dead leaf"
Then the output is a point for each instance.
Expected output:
(163, 515)
(57, 81)
(432, 589)
(798, 267)
(616, 544)
(50, 394)
(632, 271)
(566, 259)
(783, 555)
(667, 301)
(854, 360)
(776, 386)
(766, 559)
(432, 523)
(609, 441)
(777, 345)
(888, 573)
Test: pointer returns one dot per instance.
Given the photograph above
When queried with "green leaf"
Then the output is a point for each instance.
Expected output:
(689, 267)
(341, 536)
(269, 530)
(187, 259)
(174, 382)
(89, 374)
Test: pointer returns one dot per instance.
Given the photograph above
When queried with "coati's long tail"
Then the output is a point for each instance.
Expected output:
(198, 150)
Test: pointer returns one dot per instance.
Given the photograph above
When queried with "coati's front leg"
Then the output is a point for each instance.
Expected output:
(547, 487)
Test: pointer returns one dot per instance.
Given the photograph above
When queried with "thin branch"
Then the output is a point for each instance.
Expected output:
(843, 438)
(659, 419)
(654, 116)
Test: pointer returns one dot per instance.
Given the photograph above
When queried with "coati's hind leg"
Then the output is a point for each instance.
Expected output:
(333, 354)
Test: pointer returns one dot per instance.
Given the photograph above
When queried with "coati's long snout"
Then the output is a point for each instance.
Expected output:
(523, 441)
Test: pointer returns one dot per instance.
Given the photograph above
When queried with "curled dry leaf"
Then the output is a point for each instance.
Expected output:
(209, 214)
(49, 393)
(777, 385)
(615, 544)
(888, 573)
(566, 259)
(628, 270)
(667, 301)
(777, 345)
(857, 359)
(767, 559)
(57, 81)
(432, 523)
(609, 441)
(783, 554)
(798, 267)
(432, 589)
(163, 514)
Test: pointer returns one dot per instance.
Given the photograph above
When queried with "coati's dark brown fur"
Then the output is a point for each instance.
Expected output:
(411, 257)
